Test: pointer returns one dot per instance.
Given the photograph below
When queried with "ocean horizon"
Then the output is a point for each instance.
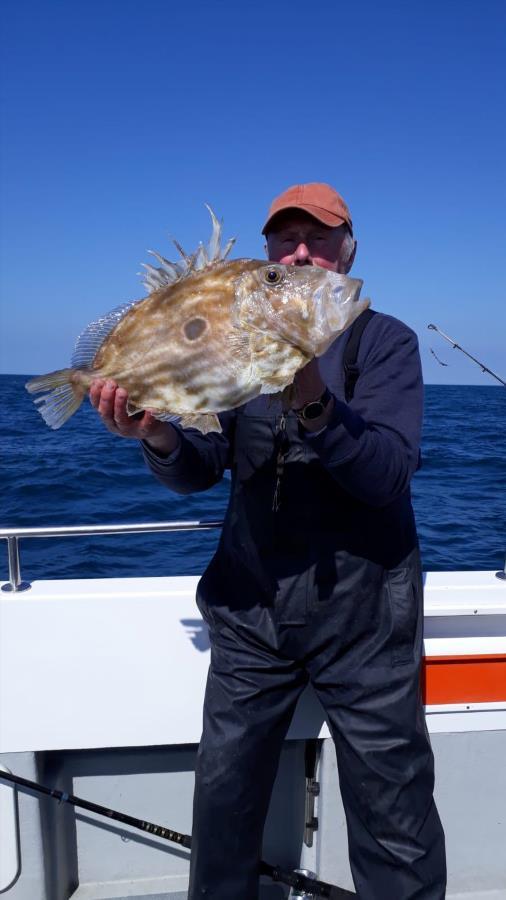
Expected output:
(82, 475)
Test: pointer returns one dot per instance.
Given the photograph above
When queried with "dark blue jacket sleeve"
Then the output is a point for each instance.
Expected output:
(371, 445)
(200, 460)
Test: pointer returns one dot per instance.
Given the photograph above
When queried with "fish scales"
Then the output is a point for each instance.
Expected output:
(211, 335)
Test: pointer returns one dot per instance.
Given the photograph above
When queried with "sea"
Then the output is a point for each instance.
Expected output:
(84, 475)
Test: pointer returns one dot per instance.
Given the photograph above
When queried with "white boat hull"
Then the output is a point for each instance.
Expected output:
(101, 687)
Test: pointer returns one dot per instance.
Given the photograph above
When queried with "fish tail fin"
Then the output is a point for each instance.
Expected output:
(62, 396)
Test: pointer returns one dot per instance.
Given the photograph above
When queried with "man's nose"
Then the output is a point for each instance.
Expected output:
(302, 255)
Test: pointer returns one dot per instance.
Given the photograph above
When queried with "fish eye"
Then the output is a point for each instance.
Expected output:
(273, 276)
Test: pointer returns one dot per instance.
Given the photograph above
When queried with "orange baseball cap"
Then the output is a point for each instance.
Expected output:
(318, 199)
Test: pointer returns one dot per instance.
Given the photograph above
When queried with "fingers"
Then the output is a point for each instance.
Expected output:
(111, 408)
(111, 401)
(106, 404)
(138, 425)
(95, 391)
(308, 384)
(119, 410)
(147, 426)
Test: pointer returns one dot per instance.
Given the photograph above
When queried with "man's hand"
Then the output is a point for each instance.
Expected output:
(110, 401)
(309, 386)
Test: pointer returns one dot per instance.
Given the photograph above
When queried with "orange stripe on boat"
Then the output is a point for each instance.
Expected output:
(480, 678)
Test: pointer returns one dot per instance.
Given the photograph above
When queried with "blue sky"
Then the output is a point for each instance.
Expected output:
(120, 119)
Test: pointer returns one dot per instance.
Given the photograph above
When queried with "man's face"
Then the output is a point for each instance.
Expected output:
(301, 240)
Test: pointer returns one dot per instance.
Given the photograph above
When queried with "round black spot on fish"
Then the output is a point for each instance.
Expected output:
(195, 328)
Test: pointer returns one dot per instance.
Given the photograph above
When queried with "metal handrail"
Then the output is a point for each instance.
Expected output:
(12, 536)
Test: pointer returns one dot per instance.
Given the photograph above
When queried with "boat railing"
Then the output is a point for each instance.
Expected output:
(14, 535)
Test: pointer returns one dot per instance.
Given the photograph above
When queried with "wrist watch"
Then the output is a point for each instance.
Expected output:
(315, 408)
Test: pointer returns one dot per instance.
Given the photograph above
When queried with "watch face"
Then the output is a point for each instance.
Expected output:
(313, 410)
(316, 408)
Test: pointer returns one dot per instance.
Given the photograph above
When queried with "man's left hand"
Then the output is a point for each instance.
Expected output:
(309, 386)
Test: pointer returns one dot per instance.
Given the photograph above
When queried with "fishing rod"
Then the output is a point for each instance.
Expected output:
(311, 886)
(458, 347)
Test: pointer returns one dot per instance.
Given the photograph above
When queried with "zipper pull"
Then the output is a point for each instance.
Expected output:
(281, 442)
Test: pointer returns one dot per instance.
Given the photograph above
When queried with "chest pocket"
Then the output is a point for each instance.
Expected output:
(256, 443)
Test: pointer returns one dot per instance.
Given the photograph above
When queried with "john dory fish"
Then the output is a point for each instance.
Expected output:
(211, 335)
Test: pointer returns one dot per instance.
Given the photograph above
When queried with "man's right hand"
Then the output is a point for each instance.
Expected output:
(110, 401)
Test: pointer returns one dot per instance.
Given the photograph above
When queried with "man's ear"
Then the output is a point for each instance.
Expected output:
(351, 259)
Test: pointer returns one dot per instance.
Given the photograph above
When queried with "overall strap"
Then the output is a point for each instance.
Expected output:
(351, 370)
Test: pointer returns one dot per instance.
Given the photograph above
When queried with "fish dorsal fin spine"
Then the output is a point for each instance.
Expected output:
(156, 277)
(91, 339)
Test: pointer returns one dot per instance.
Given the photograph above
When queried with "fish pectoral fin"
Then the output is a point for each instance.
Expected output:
(203, 422)
(274, 383)
(285, 392)
(271, 388)
(238, 344)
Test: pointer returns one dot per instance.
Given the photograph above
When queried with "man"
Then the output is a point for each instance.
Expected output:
(323, 586)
